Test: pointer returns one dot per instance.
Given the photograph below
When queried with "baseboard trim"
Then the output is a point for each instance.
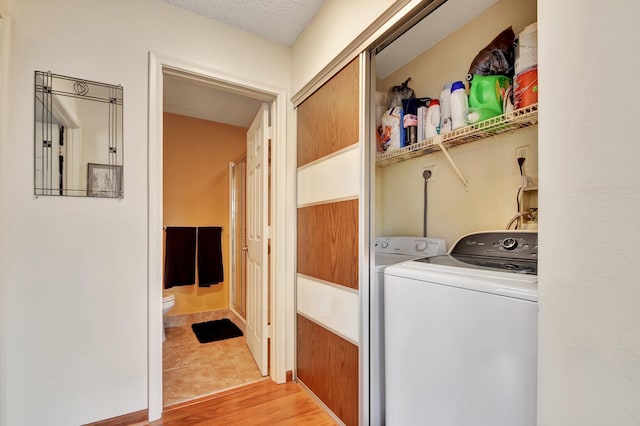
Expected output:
(321, 404)
(131, 419)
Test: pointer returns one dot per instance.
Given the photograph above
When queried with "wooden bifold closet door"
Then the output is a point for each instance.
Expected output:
(328, 177)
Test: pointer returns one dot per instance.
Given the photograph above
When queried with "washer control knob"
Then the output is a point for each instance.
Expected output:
(421, 245)
(510, 243)
(384, 244)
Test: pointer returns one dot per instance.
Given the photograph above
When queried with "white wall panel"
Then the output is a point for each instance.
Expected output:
(589, 339)
(332, 306)
(74, 270)
(335, 178)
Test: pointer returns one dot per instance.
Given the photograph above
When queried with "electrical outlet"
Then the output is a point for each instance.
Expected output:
(432, 168)
(523, 152)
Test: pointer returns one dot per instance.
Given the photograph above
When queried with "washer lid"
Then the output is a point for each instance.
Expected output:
(517, 266)
(446, 270)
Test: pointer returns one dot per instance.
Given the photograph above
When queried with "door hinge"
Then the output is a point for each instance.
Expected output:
(268, 232)
(269, 331)
(270, 132)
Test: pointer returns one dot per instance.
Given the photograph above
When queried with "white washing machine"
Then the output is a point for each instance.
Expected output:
(461, 334)
(388, 251)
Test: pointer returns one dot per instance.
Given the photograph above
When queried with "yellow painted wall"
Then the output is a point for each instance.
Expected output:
(196, 193)
(489, 165)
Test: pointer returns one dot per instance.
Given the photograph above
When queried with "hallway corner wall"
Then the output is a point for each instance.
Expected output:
(588, 336)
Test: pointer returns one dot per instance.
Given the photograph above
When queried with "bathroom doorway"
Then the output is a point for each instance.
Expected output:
(208, 126)
(280, 213)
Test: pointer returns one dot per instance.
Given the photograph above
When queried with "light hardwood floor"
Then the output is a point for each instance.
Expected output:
(262, 403)
(196, 396)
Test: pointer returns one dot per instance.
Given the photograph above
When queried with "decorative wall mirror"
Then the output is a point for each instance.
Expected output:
(77, 137)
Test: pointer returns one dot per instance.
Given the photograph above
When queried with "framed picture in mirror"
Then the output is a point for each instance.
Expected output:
(104, 180)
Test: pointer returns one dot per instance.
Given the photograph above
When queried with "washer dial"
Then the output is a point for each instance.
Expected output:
(510, 243)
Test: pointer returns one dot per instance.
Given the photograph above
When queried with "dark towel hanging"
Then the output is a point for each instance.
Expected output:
(180, 256)
(210, 256)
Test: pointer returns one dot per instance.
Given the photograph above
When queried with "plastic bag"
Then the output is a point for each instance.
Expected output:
(398, 93)
(497, 58)
(390, 132)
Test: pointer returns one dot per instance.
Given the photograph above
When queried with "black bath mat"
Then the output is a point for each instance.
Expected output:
(212, 331)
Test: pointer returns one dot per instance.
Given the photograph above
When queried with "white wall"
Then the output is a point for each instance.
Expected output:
(589, 338)
(74, 277)
(336, 24)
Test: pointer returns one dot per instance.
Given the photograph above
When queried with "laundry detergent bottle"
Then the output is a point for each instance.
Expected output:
(445, 109)
(432, 123)
(486, 95)
(459, 105)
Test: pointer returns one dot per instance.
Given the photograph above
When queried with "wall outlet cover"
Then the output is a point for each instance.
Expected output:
(434, 175)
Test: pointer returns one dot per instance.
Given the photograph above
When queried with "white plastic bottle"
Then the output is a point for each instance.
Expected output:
(445, 109)
(433, 119)
(459, 105)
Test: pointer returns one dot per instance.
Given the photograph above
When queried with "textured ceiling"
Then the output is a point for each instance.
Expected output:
(277, 20)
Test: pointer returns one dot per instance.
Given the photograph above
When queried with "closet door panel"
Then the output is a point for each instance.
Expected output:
(328, 365)
(328, 120)
(327, 256)
(328, 242)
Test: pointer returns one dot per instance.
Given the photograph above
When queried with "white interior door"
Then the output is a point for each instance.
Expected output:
(257, 237)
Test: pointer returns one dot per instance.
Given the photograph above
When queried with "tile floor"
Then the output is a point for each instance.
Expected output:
(191, 369)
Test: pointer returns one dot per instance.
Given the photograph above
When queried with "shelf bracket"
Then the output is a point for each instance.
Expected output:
(438, 140)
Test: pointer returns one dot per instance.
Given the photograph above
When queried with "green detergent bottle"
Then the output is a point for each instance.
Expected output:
(486, 95)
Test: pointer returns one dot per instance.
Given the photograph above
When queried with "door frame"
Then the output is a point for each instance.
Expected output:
(277, 96)
(233, 244)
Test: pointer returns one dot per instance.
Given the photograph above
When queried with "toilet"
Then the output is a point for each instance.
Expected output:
(168, 300)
